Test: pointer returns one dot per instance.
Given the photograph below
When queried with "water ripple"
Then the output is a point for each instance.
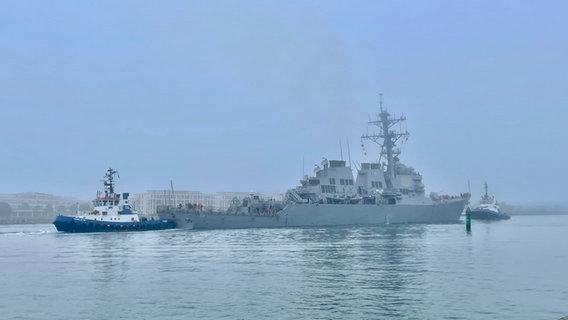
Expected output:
(386, 272)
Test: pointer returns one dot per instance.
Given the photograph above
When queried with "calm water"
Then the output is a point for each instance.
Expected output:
(502, 270)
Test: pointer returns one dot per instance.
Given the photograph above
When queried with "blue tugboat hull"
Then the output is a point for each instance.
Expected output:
(481, 214)
(80, 225)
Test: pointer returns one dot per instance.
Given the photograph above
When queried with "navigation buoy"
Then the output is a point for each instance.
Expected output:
(468, 220)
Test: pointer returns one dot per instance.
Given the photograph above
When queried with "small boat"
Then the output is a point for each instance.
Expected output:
(112, 212)
(488, 209)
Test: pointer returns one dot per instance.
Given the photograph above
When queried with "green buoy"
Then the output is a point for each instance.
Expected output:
(468, 220)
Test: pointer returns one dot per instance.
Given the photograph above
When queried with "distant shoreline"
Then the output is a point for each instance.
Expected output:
(533, 210)
(26, 221)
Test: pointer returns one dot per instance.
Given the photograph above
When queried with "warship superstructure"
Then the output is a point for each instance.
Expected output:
(383, 192)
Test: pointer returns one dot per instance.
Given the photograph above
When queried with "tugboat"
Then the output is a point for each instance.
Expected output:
(488, 209)
(112, 212)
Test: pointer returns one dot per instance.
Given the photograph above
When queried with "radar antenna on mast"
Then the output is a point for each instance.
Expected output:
(387, 139)
(109, 182)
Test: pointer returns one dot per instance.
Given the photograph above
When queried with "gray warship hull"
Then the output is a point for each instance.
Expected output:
(310, 215)
(384, 192)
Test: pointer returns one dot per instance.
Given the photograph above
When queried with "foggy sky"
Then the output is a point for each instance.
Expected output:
(237, 95)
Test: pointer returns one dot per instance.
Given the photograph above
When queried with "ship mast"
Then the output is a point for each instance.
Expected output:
(486, 196)
(109, 182)
(386, 139)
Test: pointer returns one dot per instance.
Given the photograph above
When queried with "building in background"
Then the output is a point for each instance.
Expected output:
(34, 207)
(147, 203)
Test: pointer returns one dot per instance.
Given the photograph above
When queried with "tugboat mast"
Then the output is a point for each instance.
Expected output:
(109, 182)
(387, 139)
(486, 198)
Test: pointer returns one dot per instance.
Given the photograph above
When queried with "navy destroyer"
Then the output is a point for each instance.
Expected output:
(383, 192)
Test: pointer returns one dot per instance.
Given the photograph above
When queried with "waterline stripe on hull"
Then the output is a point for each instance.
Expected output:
(70, 224)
